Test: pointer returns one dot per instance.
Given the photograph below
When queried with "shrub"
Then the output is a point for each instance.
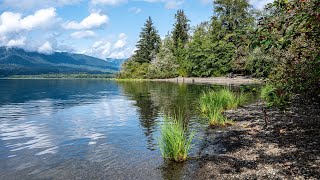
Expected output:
(258, 63)
(174, 141)
(275, 97)
(132, 69)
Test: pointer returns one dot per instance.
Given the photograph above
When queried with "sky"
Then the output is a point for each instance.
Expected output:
(99, 28)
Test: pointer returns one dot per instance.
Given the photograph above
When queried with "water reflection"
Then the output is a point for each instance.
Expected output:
(50, 128)
(152, 99)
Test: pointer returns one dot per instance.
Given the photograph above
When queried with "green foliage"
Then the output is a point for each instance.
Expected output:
(282, 44)
(180, 33)
(148, 45)
(234, 14)
(258, 63)
(237, 23)
(213, 104)
(133, 69)
(241, 99)
(165, 64)
(290, 31)
(274, 96)
(180, 37)
(174, 142)
(209, 56)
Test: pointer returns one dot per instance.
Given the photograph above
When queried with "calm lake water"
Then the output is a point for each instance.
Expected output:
(90, 129)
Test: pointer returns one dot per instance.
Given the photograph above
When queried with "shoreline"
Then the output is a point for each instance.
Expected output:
(190, 80)
(212, 80)
(287, 147)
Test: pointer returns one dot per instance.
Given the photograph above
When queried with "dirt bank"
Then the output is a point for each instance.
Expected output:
(287, 148)
(213, 80)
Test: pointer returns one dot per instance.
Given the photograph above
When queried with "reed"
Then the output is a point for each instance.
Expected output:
(174, 142)
(213, 104)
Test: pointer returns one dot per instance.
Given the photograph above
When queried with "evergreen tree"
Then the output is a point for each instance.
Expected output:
(234, 14)
(210, 55)
(180, 37)
(180, 33)
(149, 43)
(237, 19)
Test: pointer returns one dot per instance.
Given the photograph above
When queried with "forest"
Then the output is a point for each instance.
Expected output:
(279, 44)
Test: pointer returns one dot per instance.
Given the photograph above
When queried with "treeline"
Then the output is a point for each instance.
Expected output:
(280, 43)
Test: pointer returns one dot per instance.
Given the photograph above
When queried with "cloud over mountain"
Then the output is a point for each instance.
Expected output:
(94, 20)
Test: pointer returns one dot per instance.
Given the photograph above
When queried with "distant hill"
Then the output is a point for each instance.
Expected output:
(116, 62)
(15, 61)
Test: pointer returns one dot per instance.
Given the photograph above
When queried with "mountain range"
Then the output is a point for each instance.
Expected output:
(16, 61)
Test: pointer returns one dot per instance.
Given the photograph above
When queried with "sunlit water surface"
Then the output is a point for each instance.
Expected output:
(90, 129)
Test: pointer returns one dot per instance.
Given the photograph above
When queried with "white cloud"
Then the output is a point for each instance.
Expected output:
(16, 42)
(173, 4)
(121, 42)
(94, 20)
(83, 34)
(108, 2)
(122, 53)
(99, 49)
(135, 10)
(113, 49)
(35, 4)
(13, 22)
(45, 48)
(40, 18)
(117, 55)
(169, 4)
(122, 36)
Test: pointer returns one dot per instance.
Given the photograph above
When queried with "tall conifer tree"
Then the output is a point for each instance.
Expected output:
(234, 14)
(149, 43)
(180, 33)
(180, 37)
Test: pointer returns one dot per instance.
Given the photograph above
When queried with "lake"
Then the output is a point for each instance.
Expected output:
(91, 129)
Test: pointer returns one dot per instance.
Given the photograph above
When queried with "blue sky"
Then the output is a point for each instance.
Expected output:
(100, 28)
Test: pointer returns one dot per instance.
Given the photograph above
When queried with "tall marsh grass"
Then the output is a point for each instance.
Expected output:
(214, 103)
(174, 142)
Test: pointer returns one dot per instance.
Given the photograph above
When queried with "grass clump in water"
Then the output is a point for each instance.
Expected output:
(213, 104)
(174, 141)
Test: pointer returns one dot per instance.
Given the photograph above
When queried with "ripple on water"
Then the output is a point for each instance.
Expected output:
(68, 129)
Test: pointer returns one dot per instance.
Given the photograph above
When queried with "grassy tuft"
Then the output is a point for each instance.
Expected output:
(241, 99)
(174, 141)
(213, 104)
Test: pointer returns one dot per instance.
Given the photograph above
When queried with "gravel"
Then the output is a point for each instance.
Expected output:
(286, 147)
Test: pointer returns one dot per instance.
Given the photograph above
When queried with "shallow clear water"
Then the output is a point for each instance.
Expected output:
(89, 129)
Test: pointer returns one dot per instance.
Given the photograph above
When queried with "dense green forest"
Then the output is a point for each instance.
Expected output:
(280, 43)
